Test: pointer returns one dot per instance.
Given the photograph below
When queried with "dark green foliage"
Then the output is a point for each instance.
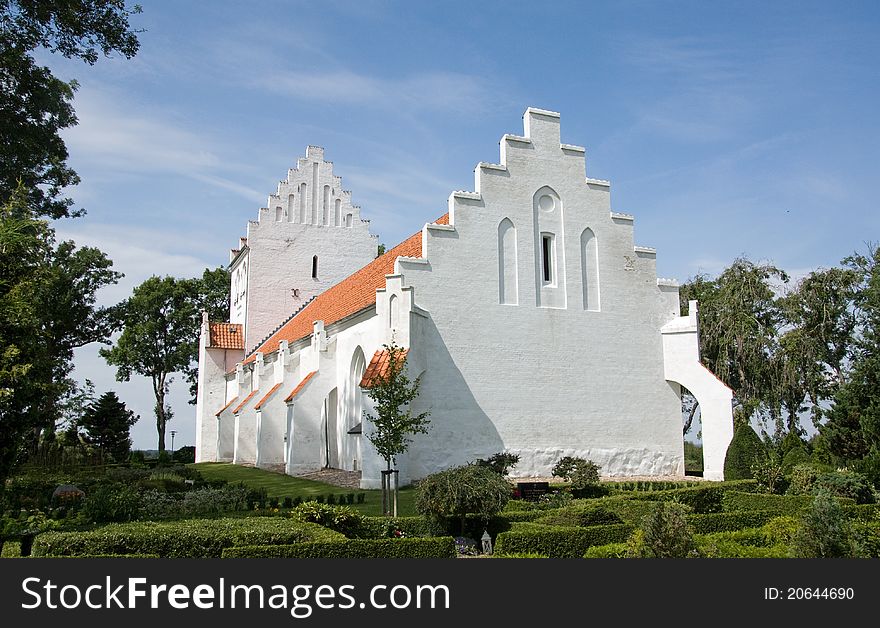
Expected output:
(745, 450)
(609, 550)
(794, 457)
(693, 458)
(458, 491)
(702, 498)
(729, 521)
(735, 501)
(581, 473)
(361, 497)
(287, 502)
(111, 503)
(433, 547)
(107, 423)
(731, 549)
(664, 533)
(648, 485)
(869, 466)
(803, 477)
(559, 542)
(500, 463)
(581, 515)
(386, 527)
(824, 531)
(846, 484)
(349, 498)
(196, 538)
(342, 519)
(331, 499)
(184, 455)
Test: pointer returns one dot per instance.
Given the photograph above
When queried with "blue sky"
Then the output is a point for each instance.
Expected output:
(727, 129)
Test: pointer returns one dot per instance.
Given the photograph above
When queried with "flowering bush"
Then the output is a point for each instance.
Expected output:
(466, 546)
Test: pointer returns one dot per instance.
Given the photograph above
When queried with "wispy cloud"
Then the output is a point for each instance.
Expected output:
(430, 91)
(120, 137)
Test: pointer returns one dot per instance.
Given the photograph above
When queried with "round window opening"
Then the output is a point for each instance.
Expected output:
(546, 203)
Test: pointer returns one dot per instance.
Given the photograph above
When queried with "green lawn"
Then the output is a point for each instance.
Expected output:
(280, 485)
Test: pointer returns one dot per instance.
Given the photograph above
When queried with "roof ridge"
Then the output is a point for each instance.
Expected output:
(283, 323)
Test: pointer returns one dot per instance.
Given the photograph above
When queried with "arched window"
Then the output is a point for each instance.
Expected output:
(348, 220)
(278, 214)
(590, 270)
(314, 267)
(508, 291)
(325, 208)
(338, 213)
(291, 207)
(393, 312)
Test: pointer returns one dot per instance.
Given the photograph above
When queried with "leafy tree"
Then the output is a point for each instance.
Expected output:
(107, 424)
(853, 426)
(35, 106)
(159, 324)
(459, 491)
(739, 320)
(500, 463)
(47, 310)
(744, 451)
(581, 473)
(392, 392)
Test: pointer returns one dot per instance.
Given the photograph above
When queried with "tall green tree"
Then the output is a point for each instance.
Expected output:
(739, 324)
(853, 426)
(159, 322)
(35, 106)
(160, 332)
(107, 424)
(392, 391)
(47, 310)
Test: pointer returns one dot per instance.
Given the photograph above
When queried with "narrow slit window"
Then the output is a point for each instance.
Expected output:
(314, 267)
(547, 258)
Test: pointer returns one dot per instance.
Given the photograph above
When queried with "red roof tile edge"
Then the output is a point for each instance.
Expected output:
(267, 395)
(244, 401)
(299, 387)
(378, 367)
(351, 295)
(223, 409)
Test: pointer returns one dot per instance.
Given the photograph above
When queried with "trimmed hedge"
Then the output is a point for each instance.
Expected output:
(194, 538)
(781, 504)
(581, 516)
(106, 556)
(729, 521)
(704, 498)
(610, 550)
(650, 485)
(558, 542)
(730, 549)
(429, 547)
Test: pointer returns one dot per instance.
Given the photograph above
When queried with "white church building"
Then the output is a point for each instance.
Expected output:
(536, 324)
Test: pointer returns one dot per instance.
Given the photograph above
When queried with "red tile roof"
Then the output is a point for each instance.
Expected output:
(379, 366)
(221, 410)
(350, 295)
(299, 387)
(225, 336)
(266, 396)
(244, 401)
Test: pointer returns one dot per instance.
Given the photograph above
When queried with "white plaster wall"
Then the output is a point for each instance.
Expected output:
(280, 252)
(544, 382)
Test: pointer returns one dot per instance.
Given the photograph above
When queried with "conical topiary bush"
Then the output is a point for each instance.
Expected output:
(744, 450)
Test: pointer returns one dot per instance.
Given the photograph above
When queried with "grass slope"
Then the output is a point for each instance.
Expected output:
(281, 486)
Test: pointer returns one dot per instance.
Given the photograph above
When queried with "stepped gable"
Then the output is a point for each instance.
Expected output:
(351, 295)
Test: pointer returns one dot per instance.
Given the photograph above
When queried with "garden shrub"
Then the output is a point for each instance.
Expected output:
(195, 538)
(802, 478)
(433, 547)
(794, 457)
(557, 542)
(203, 501)
(846, 484)
(609, 550)
(770, 474)
(824, 531)
(664, 533)
(727, 521)
(387, 527)
(780, 504)
(648, 485)
(342, 519)
(111, 503)
(745, 450)
(703, 498)
(731, 549)
(455, 492)
(500, 463)
(780, 530)
(581, 515)
(580, 472)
